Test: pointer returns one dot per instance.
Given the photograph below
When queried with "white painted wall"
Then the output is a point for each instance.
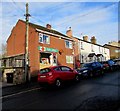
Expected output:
(86, 49)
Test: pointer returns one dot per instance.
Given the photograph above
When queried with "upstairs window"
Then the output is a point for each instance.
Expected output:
(68, 44)
(92, 48)
(81, 45)
(43, 38)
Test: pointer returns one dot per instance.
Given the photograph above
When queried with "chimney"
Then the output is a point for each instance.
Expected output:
(93, 40)
(48, 26)
(69, 32)
(85, 38)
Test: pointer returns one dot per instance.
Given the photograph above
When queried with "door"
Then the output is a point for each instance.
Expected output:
(67, 73)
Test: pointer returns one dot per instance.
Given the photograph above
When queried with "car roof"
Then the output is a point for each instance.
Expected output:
(52, 67)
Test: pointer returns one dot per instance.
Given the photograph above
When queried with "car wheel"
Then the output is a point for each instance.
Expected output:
(58, 83)
(77, 78)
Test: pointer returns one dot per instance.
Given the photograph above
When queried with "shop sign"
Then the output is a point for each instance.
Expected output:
(47, 49)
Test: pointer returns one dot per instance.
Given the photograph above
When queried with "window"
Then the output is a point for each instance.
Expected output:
(68, 44)
(57, 69)
(69, 59)
(65, 69)
(81, 44)
(45, 39)
(104, 50)
(46, 70)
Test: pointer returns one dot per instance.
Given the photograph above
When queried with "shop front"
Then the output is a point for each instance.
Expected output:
(47, 57)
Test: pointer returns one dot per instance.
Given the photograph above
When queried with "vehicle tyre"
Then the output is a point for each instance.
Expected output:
(58, 83)
(77, 79)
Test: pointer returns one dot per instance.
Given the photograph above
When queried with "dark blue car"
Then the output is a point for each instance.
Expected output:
(91, 69)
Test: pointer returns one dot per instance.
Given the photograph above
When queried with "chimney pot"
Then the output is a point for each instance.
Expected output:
(69, 32)
(85, 38)
(93, 40)
(48, 26)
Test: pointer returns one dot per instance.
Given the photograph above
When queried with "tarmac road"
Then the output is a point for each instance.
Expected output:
(93, 94)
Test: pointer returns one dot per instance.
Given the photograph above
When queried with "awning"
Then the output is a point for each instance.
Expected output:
(91, 55)
(98, 55)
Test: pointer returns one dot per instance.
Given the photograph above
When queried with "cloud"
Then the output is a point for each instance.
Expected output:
(61, 0)
(84, 17)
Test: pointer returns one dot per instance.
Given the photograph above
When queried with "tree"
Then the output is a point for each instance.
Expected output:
(3, 50)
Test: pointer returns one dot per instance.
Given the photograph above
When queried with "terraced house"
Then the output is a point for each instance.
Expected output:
(47, 47)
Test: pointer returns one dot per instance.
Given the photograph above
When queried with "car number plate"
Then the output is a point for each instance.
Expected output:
(42, 76)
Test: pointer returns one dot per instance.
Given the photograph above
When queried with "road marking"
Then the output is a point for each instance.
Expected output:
(22, 92)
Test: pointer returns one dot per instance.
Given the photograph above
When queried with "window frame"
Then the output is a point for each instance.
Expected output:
(70, 58)
(65, 70)
(70, 44)
(42, 36)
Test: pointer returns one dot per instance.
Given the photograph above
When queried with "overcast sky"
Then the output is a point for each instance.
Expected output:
(99, 19)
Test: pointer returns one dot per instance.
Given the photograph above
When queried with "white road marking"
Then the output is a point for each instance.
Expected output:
(22, 92)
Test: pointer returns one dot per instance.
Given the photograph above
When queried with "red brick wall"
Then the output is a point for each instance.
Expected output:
(16, 45)
(16, 41)
(59, 44)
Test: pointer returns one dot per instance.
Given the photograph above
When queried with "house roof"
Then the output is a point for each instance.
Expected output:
(45, 29)
(91, 43)
(111, 46)
(91, 55)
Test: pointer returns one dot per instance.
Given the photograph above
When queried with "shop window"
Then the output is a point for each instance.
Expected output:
(68, 44)
(48, 58)
(45, 58)
(69, 59)
(43, 38)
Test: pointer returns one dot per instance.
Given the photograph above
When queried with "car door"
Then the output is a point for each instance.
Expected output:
(67, 73)
(98, 68)
(94, 68)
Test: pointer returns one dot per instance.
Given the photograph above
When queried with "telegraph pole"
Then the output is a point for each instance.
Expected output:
(27, 75)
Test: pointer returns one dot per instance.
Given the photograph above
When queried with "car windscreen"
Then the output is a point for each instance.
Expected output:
(43, 71)
(87, 65)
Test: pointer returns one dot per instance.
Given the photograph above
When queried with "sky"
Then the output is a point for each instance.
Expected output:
(85, 17)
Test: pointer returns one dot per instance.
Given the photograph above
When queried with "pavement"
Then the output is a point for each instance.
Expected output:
(5, 84)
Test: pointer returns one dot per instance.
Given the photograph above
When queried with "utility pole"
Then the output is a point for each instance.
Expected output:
(27, 75)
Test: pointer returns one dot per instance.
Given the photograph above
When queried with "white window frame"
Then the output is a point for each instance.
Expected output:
(69, 59)
(81, 45)
(70, 44)
(41, 36)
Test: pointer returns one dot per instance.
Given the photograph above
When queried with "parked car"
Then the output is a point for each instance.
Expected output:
(91, 69)
(112, 65)
(117, 63)
(105, 66)
(56, 75)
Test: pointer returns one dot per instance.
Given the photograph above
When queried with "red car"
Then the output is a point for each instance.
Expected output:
(56, 75)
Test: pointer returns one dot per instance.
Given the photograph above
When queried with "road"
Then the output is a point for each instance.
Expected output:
(93, 94)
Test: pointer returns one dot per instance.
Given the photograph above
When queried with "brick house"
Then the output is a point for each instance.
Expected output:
(114, 50)
(47, 47)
